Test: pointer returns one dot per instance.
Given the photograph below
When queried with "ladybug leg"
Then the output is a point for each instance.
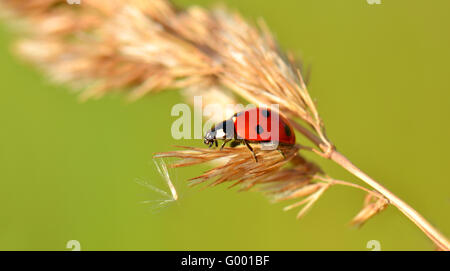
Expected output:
(212, 143)
(224, 142)
(251, 149)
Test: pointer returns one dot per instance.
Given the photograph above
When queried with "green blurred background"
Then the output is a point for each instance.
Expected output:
(380, 74)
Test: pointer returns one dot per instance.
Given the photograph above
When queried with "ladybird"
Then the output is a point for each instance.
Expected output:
(252, 126)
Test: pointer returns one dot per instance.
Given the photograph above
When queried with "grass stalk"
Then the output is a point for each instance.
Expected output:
(438, 239)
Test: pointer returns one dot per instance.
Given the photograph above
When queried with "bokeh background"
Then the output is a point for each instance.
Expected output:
(380, 74)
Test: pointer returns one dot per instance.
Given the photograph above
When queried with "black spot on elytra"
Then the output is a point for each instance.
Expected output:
(287, 130)
(265, 113)
(259, 129)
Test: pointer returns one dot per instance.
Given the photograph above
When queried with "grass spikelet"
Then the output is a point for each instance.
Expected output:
(281, 177)
(372, 206)
(236, 164)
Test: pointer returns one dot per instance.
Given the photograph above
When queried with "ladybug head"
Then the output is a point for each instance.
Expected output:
(210, 137)
(223, 130)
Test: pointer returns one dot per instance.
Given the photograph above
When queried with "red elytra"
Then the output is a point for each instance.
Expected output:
(260, 125)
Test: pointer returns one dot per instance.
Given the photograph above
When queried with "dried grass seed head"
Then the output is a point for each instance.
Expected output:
(150, 45)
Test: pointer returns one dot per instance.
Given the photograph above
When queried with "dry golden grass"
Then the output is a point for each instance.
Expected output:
(282, 177)
(146, 46)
